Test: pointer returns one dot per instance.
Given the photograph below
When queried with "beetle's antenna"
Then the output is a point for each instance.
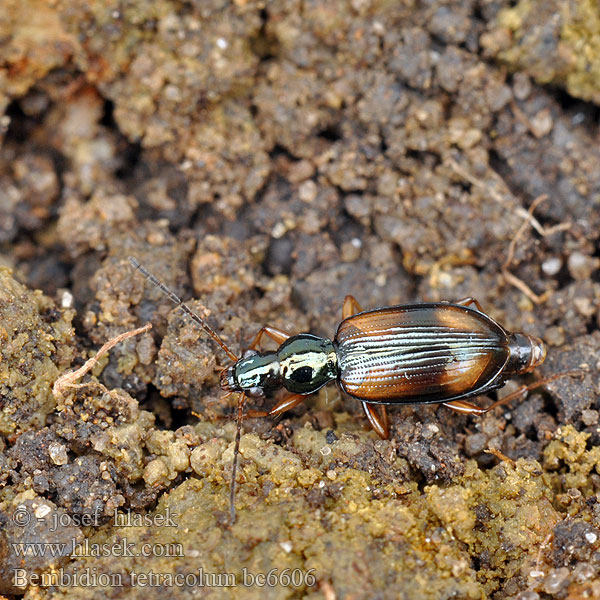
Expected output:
(180, 304)
(236, 453)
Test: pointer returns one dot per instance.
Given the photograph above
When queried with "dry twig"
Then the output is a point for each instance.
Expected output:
(67, 380)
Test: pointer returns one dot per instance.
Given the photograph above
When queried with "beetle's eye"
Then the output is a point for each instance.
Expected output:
(302, 375)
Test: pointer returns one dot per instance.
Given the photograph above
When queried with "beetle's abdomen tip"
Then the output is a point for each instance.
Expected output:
(538, 351)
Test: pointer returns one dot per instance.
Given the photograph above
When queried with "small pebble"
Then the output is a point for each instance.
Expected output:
(357, 206)
(330, 436)
(581, 266)
(475, 443)
(430, 431)
(528, 595)
(308, 191)
(584, 306)
(301, 170)
(66, 300)
(591, 537)
(536, 574)
(58, 453)
(279, 230)
(521, 86)
(156, 471)
(350, 252)
(584, 572)
(555, 580)
(551, 266)
(204, 457)
(179, 456)
(555, 336)
(41, 511)
(145, 349)
(542, 123)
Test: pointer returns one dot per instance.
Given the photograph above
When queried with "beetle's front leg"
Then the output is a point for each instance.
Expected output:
(282, 406)
(276, 334)
(378, 422)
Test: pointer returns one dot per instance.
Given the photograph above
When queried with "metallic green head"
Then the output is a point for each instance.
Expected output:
(254, 373)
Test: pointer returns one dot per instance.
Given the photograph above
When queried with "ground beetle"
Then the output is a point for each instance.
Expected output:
(417, 353)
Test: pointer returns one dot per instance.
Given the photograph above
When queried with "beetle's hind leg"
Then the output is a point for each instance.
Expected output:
(466, 408)
(468, 301)
(350, 307)
(379, 422)
(276, 334)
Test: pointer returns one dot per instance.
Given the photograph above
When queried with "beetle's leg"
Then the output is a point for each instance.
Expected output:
(282, 406)
(278, 335)
(378, 422)
(468, 301)
(532, 386)
(350, 307)
(467, 408)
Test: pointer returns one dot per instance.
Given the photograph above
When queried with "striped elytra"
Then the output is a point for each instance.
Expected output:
(420, 353)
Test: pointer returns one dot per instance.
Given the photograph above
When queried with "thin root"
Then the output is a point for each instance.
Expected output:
(529, 220)
(500, 456)
(543, 546)
(67, 380)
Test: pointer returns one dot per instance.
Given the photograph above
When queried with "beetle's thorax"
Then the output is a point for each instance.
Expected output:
(526, 352)
(307, 363)
(302, 364)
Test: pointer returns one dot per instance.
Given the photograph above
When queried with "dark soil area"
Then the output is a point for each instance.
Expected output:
(264, 160)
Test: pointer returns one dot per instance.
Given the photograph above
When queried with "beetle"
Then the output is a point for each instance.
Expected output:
(416, 353)
(424, 353)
